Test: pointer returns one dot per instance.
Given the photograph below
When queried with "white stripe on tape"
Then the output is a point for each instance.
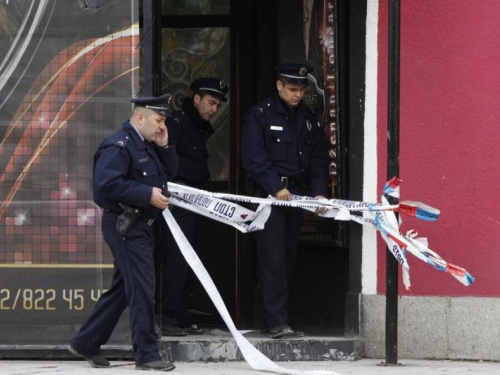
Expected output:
(226, 212)
(181, 191)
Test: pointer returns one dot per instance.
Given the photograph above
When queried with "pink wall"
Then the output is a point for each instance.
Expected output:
(450, 134)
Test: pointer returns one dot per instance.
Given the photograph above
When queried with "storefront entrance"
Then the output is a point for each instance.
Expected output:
(66, 86)
(241, 42)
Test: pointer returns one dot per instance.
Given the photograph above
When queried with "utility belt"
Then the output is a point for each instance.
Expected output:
(131, 215)
(291, 182)
(147, 220)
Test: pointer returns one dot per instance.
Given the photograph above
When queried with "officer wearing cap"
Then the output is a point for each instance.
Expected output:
(131, 169)
(190, 129)
(284, 152)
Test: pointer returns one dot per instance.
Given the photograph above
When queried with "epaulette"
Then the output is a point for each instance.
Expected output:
(122, 142)
(119, 139)
(177, 116)
(262, 108)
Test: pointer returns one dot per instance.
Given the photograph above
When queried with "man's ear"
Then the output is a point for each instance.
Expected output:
(196, 98)
(279, 85)
(141, 118)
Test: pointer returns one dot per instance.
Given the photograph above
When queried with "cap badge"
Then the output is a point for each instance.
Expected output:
(223, 84)
(303, 71)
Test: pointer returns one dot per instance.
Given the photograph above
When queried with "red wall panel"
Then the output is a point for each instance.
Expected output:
(449, 136)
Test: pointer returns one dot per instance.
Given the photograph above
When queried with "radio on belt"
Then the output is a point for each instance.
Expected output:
(129, 216)
(127, 219)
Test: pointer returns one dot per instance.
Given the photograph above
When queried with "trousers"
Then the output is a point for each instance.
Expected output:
(277, 246)
(176, 271)
(133, 286)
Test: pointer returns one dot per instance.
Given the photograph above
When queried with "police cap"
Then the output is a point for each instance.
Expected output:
(293, 73)
(212, 86)
(156, 103)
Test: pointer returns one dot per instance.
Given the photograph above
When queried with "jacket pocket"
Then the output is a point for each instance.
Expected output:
(145, 171)
(278, 143)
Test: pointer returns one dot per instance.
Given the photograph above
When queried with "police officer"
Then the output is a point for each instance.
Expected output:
(190, 130)
(131, 169)
(284, 152)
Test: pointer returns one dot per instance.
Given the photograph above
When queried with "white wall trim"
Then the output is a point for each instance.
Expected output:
(370, 194)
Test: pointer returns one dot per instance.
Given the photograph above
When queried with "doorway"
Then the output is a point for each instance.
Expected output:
(241, 42)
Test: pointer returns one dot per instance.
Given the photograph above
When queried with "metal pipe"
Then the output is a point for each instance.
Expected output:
(151, 48)
(391, 314)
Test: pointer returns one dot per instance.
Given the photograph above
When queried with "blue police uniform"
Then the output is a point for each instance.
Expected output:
(190, 133)
(282, 147)
(126, 168)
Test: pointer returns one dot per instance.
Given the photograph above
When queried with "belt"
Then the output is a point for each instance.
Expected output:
(147, 220)
(287, 181)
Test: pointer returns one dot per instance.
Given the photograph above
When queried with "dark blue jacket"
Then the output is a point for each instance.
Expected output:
(190, 133)
(126, 168)
(273, 146)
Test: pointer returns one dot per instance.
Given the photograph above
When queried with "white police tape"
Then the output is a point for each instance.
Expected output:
(218, 207)
(182, 192)
(220, 210)
(254, 358)
(383, 218)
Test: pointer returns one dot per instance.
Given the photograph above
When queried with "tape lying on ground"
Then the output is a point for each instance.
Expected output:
(255, 359)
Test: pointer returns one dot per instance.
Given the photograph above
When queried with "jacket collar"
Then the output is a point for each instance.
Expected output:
(282, 107)
(136, 138)
(189, 108)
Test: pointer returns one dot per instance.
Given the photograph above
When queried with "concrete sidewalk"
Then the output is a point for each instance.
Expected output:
(359, 367)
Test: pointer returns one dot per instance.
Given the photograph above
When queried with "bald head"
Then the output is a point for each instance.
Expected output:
(148, 122)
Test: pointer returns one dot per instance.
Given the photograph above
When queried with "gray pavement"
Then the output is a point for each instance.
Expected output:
(359, 367)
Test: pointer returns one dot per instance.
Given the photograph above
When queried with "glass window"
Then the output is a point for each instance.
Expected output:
(188, 54)
(64, 87)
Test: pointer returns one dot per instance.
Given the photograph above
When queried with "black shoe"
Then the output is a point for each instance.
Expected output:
(159, 365)
(193, 329)
(94, 360)
(283, 330)
(170, 330)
